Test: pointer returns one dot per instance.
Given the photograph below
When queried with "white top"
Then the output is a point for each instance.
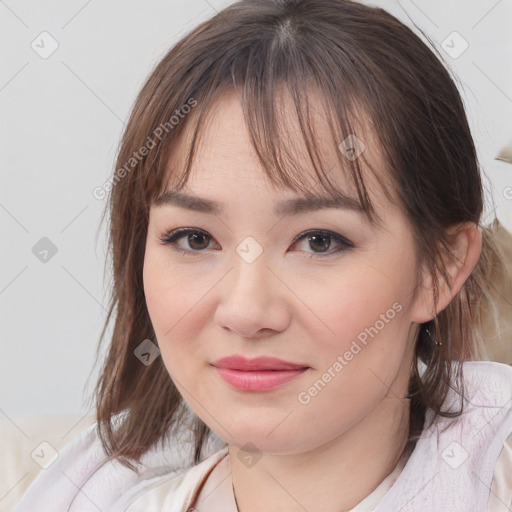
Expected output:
(166, 481)
(217, 493)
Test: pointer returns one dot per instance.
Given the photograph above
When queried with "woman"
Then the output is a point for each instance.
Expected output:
(297, 260)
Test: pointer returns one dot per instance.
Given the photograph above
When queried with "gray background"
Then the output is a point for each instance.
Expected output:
(62, 118)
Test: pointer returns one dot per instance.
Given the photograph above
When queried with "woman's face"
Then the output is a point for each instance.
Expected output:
(249, 283)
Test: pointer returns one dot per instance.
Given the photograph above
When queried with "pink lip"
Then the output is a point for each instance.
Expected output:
(259, 363)
(260, 374)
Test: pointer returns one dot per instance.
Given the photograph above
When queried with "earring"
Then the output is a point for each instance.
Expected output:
(432, 335)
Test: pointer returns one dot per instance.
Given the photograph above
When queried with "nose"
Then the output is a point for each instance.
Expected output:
(253, 302)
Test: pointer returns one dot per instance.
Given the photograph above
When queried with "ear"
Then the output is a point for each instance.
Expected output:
(465, 253)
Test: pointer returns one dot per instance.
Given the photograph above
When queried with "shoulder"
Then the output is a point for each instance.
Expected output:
(486, 384)
(176, 492)
(492, 384)
(501, 488)
(55, 487)
(492, 375)
(486, 417)
(82, 478)
(458, 456)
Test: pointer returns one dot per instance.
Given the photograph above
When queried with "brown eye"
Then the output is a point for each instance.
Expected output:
(321, 241)
(196, 240)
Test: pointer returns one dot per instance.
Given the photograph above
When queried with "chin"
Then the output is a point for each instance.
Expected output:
(262, 435)
(282, 445)
(260, 443)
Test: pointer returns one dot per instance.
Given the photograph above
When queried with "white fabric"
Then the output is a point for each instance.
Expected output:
(217, 493)
(166, 481)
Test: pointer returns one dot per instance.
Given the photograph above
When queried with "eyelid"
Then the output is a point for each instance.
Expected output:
(327, 232)
(170, 238)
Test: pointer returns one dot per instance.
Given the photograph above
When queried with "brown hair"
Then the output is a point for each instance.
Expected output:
(362, 60)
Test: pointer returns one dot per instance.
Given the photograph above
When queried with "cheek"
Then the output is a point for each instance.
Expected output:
(168, 291)
(361, 351)
(176, 305)
(360, 306)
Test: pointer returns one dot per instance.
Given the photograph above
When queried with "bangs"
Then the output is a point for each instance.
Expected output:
(276, 85)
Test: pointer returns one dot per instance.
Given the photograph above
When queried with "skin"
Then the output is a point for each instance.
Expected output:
(296, 304)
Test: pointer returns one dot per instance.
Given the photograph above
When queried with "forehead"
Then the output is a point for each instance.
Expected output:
(226, 152)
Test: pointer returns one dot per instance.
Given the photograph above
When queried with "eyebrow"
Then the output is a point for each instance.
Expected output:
(295, 206)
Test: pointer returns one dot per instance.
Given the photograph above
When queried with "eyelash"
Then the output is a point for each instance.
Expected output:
(173, 236)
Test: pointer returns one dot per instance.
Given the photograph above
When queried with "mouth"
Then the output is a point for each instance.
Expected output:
(260, 374)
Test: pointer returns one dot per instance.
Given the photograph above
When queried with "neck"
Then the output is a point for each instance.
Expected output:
(346, 469)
